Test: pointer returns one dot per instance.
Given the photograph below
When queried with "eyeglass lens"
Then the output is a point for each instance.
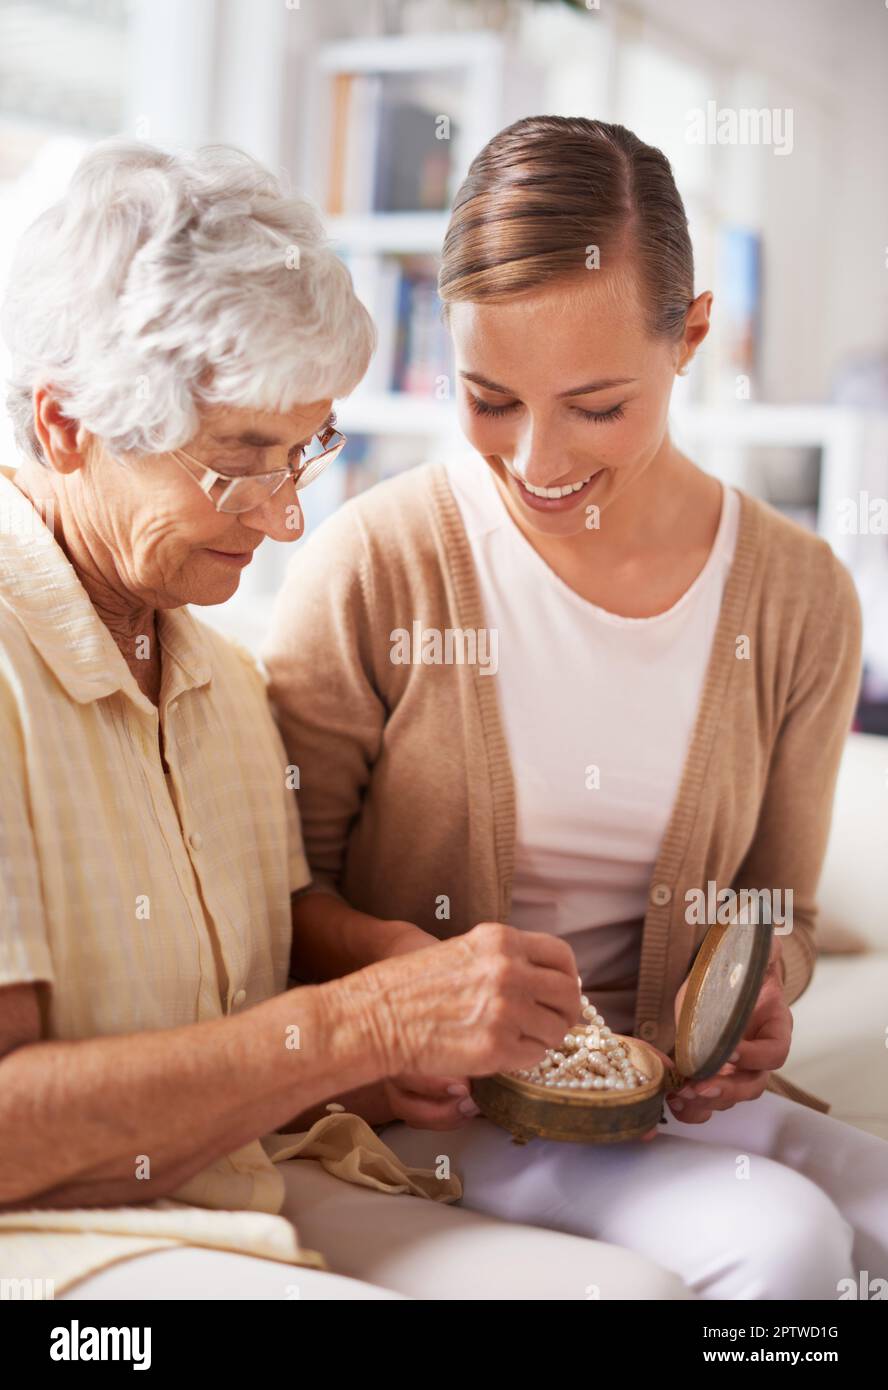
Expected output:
(243, 494)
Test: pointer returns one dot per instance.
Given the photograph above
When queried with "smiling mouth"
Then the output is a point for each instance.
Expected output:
(554, 494)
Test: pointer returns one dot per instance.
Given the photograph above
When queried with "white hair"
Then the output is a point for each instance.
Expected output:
(161, 283)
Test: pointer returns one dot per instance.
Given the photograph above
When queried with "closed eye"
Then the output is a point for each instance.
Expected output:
(480, 407)
(616, 412)
(483, 408)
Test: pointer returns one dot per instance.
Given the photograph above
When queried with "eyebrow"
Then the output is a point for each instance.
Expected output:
(601, 385)
(255, 439)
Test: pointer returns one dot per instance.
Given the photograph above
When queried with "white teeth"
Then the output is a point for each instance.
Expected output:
(554, 491)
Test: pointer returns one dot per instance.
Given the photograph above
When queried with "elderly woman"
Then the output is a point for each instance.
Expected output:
(178, 332)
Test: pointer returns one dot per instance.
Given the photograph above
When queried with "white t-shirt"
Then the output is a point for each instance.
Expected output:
(598, 712)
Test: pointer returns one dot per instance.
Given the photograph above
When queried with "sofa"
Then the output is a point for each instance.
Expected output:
(840, 1033)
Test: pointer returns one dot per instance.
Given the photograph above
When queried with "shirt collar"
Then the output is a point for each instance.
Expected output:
(40, 586)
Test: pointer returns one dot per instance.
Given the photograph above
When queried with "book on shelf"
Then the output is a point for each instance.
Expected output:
(338, 123)
(390, 149)
(413, 344)
(423, 342)
(412, 164)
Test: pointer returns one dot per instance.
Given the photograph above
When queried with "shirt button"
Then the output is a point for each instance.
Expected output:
(660, 894)
(648, 1030)
(239, 998)
(195, 839)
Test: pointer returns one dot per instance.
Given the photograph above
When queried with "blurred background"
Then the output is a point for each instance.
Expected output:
(775, 119)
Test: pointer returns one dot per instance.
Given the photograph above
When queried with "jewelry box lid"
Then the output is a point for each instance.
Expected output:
(724, 985)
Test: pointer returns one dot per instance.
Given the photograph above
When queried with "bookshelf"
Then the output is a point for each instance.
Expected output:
(481, 81)
(396, 122)
(845, 438)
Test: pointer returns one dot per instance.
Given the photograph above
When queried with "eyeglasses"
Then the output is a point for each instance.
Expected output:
(244, 492)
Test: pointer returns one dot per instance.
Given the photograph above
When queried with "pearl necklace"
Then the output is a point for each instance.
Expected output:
(592, 1060)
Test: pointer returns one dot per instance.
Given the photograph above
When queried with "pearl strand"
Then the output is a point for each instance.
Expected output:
(591, 1060)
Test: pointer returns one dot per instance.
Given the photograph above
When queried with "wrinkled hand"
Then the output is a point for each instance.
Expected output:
(426, 1102)
(763, 1049)
(443, 1102)
(492, 999)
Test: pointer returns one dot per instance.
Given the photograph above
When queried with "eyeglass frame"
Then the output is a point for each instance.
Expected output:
(210, 476)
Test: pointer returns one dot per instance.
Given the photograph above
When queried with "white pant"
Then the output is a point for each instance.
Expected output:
(768, 1200)
(390, 1247)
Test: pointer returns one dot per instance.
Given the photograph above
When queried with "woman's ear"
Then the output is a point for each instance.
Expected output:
(696, 328)
(61, 438)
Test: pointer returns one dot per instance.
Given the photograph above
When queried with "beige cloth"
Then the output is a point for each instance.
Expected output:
(407, 797)
(64, 1246)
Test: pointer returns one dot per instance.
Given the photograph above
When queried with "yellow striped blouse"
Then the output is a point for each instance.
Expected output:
(144, 899)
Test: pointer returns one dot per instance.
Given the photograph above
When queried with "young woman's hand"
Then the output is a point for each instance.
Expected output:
(430, 1102)
(763, 1049)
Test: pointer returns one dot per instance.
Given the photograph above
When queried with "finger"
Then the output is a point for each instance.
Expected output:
(553, 985)
(676, 1102)
(432, 1087)
(770, 1007)
(728, 1069)
(763, 1053)
(746, 1085)
(550, 951)
(553, 991)
(527, 1053)
(419, 1113)
(724, 1091)
(543, 1025)
(691, 1112)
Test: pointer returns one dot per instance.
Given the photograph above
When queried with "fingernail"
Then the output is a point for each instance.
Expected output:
(734, 1057)
(457, 1090)
(688, 1092)
(711, 1091)
(468, 1107)
(677, 1104)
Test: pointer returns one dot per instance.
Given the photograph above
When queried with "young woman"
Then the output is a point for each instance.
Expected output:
(566, 681)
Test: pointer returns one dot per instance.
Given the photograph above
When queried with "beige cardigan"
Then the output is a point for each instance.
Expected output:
(406, 788)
